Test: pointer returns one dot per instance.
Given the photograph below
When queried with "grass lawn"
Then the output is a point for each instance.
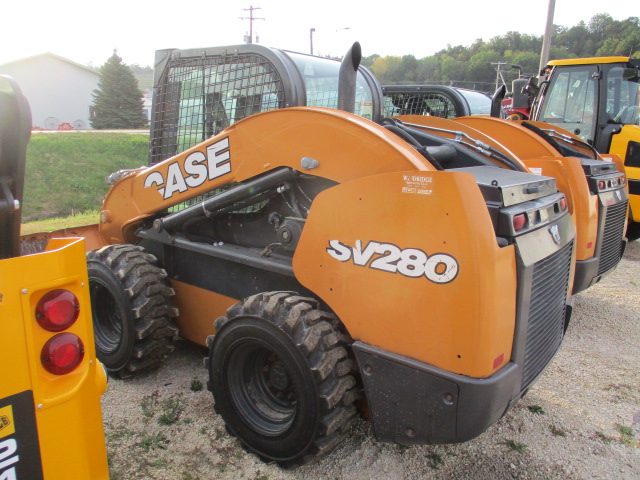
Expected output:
(65, 173)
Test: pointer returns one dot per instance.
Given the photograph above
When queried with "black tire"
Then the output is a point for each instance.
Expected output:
(281, 377)
(133, 315)
(633, 231)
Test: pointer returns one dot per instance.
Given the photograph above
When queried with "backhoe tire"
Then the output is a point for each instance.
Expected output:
(282, 378)
(133, 315)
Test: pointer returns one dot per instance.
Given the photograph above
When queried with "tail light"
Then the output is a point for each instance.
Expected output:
(62, 353)
(519, 221)
(57, 310)
(563, 204)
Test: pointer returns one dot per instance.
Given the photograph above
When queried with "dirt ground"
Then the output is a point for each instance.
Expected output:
(581, 420)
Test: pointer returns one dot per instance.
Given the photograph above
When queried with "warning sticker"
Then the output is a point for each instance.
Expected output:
(7, 427)
(417, 184)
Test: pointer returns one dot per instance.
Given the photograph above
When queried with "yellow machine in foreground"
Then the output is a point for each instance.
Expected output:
(50, 380)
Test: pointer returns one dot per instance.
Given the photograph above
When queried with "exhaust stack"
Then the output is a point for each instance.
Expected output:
(347, 78)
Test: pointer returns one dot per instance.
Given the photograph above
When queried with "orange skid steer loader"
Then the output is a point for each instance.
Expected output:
(330, 265)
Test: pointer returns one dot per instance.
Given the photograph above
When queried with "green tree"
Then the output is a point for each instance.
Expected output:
(117, 100)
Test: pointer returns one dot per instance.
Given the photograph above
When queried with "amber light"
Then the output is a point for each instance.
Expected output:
(62, 354)
(57, 310)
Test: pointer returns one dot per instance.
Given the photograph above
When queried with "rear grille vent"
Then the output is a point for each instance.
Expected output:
(545, 326)
(611, 249)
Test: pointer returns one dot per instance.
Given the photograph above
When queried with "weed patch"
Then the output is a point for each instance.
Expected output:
(516, 446)
(537, 409)
(171, 410)
(434, 461)
(626, 436)
(557, 431)
(196, 385)
(153, 442)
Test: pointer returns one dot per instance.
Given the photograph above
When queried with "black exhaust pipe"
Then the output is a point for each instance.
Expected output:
(347, 78)
(496, 101)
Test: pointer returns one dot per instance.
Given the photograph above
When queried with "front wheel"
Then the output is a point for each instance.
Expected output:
(133, 316)
(281, 377)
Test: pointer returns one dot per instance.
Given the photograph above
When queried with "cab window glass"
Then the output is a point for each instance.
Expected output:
(571, 102)
(479, 102)
(623, 96)
(321, 83)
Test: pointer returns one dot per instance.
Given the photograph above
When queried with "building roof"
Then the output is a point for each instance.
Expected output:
(52, 55)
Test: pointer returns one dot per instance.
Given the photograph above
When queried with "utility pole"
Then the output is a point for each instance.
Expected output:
(546, 41)
(251, 18)
(499, 77)
(311, 30)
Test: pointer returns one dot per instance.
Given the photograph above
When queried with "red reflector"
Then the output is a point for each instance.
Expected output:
(519, 221)
(589, 244)
(62, 353)
(498, 361)
(57, 310)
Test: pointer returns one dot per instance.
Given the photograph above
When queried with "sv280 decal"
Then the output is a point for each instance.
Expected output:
(197, 167)
(410, 262)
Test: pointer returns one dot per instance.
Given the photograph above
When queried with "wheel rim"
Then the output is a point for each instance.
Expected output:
(107, 320)
(261, 389)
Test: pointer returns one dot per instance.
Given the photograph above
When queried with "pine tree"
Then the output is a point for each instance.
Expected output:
(118, 100)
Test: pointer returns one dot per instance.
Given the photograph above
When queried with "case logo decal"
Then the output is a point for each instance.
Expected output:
(555, 234)
(196, 169)
(411, 262)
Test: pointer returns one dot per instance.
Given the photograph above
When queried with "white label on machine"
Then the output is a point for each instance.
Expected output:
(417, 184)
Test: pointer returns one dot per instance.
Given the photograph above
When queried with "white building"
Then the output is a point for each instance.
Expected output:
(59, 90)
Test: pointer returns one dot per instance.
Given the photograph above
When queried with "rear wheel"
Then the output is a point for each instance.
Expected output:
(281, 377)
(633, 231)
(133, 316)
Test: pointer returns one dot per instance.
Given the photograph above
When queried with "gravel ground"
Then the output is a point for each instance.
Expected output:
(581, 420)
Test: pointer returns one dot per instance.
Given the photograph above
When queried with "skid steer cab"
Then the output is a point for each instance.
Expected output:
(50, 418)
(333, 262)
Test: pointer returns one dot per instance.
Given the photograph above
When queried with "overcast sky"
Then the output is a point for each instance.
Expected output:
(87, 31)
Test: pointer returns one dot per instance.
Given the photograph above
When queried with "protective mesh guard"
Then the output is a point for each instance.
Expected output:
(433, 104)
(199, 97)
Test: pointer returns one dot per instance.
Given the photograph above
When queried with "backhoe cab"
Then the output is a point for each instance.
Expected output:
(598, 100)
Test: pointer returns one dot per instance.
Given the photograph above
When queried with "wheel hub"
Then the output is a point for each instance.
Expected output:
(278, 376)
